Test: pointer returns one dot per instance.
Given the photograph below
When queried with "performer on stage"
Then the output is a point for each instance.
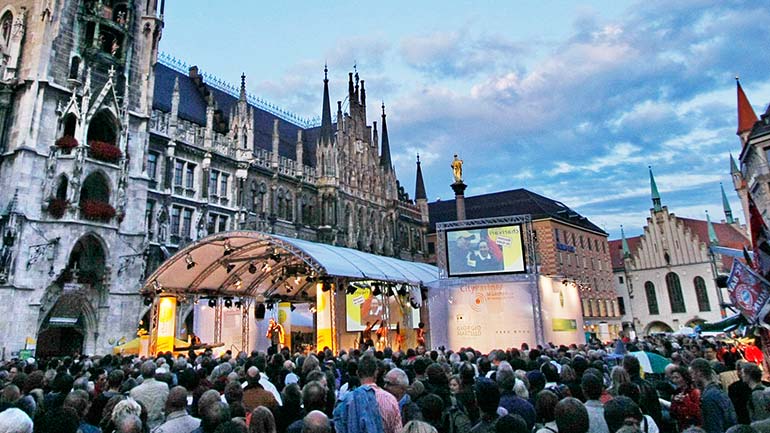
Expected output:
(400, 337)
(421, 334)
(276, 335)
(366, 335)
(382, 335)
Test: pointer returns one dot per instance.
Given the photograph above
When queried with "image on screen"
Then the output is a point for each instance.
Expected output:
(488, 250)
(363, 307)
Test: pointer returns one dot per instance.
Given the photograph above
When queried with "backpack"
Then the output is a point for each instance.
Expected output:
(456, 419)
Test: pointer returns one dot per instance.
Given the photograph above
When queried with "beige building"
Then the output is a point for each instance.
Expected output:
(753, 175)
(665, 277)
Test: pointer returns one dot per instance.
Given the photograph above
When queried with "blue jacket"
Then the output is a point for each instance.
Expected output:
(358, 412)
(717, 409)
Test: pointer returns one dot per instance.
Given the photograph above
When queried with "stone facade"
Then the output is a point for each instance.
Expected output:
(107, 167)
(665, 278)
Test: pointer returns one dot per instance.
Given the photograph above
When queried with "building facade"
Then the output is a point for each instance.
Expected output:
(570, 248)
(111, 160)
(752, 178)
(665, 278)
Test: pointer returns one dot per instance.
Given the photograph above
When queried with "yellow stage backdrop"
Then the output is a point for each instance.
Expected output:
(166, 324)
(324, 333)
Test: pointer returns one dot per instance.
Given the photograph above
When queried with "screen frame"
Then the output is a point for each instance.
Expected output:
(524, 250)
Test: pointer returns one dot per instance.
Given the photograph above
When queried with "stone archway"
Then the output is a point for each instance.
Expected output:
(68, 320)
(657, 327)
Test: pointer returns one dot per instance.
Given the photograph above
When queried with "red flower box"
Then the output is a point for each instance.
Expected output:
(67, 142)
(104, 151)
(57, 206)
(97, 210)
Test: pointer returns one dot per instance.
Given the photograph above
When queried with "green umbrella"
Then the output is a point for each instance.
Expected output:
(651, 362)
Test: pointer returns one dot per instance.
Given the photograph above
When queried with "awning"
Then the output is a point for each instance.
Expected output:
(250, 263)
(725, 325)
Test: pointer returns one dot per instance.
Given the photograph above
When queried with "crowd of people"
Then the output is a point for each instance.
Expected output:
(707, 387)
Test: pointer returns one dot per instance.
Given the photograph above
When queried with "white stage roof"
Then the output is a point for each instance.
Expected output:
(250, 263)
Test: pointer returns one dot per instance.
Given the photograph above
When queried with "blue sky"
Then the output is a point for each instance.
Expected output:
(569, 100)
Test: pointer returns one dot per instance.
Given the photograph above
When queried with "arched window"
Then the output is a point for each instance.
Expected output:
(6, 24)
(652, 298)
(103, 127)
(61, 190)
(74, 68)
(701, 294)
(70, 123)
(95, 188)
(675, 293)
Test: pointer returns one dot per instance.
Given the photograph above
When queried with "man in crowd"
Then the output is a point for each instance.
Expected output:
(152, 394)
(397, 382)
(177, 418)
(716, 407)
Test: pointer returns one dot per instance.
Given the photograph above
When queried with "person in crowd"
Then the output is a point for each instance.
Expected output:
(571, 416)
(152, 394)
(751, 374)
(618, 376)
(622, 411)
(717, 410)
(418, 427)
(261, 420)
(255, 395)
(511, 402)
(177, 418)
(488, 398)
(545, 404)
(685, 402)
(397, 382)
(740, 394)
(368, 408)
(648, 401)
(511, 424)
(13, 420)
(632, 391)
(313, 399)
(592, 388)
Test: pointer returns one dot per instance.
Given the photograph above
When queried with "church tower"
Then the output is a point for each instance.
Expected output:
(77, 130)
(326, 165)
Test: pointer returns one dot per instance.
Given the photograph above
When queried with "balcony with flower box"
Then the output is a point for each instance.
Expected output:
(56, 207)
(104, 151)
(95, 210)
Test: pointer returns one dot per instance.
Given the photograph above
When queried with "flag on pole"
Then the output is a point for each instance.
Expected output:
(748, 291)
(759, 240)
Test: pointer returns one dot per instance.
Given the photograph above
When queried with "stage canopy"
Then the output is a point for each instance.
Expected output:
(265, 267)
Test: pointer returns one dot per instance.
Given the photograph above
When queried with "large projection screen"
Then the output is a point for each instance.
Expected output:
(362, 307)
(484, 251)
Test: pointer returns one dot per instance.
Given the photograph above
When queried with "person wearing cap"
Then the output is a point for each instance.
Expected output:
(462, 258)
(717, 410)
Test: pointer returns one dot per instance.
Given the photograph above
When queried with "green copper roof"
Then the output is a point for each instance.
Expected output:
(726, 205)
(655, 194)
(713, 240)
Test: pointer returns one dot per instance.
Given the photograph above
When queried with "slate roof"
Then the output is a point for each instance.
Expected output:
(192, 107)
(513, 202)
(727, 235)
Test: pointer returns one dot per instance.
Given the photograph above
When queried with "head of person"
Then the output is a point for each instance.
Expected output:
(571, 416)
(483, 249)
(455, 384)
(751, 373)
(213, 415)
(619, 375)
(396, 382)
(316, 422)
(631, 365)
(262, 421)
(176, 400)
(418, 427)
(511, 424)
(233, 392)
(367, 367)
(545, 404)
(148, 369)
(487, 395)
(710, 352)
(14, 420)
(701, 371)
(592, 386)
(681, 378)
(129, 424)
(78, 400)
(622, 411)
(314, 396)
(432, 407)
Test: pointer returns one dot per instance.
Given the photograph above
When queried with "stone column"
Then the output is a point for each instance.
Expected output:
(459, 189)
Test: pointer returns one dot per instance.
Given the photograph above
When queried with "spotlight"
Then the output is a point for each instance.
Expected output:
(238, 303)
(252, 268)
(266, 267)
(270, 306)
(212, 302)
(414, 304)
(313, 309)
(228, 302)
(403, 290)
(390, 291)
(228, 248)
(351, 289)
(190, 262)
(156, 285)
(238, 283)
(292, 307)
(326, 286)
(377, 290)
(296, 279)
(230, 267)
(147, 301)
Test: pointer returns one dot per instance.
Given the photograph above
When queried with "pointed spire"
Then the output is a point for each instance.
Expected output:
(655, 194)
(385, 161)
(746, 116)
(243, 87)
(726, 206)
(326, 113)
(626, 250)
(419, 189)
(713, 240)
(733, 166)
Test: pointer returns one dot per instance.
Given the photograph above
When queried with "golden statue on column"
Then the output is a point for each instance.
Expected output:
(457, 169)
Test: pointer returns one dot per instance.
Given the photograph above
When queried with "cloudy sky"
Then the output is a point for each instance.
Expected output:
(572, 100)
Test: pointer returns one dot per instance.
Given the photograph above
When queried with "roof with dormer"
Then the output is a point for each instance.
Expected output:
(513, 202)
(192, 107)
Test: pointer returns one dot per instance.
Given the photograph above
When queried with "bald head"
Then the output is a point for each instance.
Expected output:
(316, 422)
(176, 400)
(129, 424)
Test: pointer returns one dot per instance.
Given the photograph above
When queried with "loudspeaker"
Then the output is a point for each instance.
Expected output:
(259, 311)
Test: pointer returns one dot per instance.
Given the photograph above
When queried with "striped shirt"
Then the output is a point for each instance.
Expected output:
(391, 415)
